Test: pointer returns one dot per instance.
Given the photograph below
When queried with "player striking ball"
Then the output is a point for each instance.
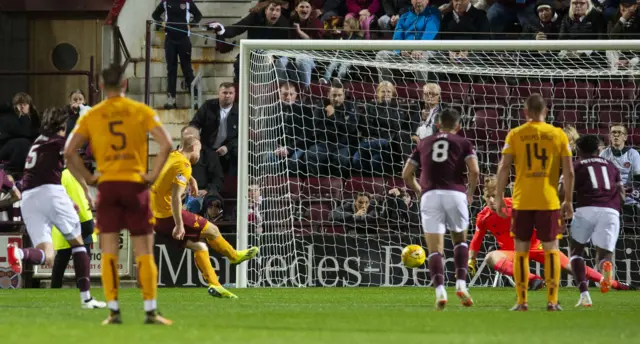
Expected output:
(537, 149)
(185, 228)
(117, 130)
(502, 260)
(443, 158)
(45, 203)
(599, 193)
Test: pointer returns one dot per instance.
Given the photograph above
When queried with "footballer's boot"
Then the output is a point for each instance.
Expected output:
(156, 318)
(93, 304)
(520, 307)
(584, 301)
(465, 297)
(245, 255)
(12, 256)
(113, 318)
(553, 307)
(617, 285)
(441, 301)
(607, 277)
(536, 284)
(219, 291)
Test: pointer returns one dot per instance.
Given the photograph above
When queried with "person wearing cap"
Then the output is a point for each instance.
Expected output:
(548, 24)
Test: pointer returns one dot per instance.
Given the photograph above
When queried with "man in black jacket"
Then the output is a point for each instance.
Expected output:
(336, 134)
(217, 120)
(265, 21)
(177, 19)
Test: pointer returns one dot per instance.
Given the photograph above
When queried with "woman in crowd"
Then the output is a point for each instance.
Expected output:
(19, 127)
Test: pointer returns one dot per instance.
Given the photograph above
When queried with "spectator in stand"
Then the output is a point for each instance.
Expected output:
(288, 7)
(421, 23)
(378, 128)
(217, 120)
(393, 9)
(351, 31)
(624, 24)
(305, 26)
(214, 211)
(76, 108)
(401, 207)
(548, 24)
(583, 22)
(333, 8)
(298, 129)
(465, 22)
(359, 210)
(19, 127)
(177, 44)
(255, 202)
(627, 161)
(420, 121)
(505, 12)
(335, 132)
(264, 21)
(365, 11)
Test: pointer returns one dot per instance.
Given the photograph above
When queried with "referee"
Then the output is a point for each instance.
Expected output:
(177, 19)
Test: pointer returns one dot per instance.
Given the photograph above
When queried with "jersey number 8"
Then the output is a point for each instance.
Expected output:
(440, 151)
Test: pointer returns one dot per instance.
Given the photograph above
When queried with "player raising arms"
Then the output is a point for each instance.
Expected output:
(538, 150)
(185, 228)
(599, 195)
(117, 130)
(45, 203)
(502, 260)
(443, 159)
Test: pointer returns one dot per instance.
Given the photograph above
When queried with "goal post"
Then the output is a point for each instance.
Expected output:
(291, 214)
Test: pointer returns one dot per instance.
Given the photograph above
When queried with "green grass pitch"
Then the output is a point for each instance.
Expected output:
(321, 315)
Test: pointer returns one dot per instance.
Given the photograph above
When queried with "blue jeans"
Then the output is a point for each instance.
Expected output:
(321, 157)
(294, 160)
(304, 65)
(500, 16)
(372, 155)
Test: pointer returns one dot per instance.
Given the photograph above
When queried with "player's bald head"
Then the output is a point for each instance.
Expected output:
(449, 119)
(535, 106)
(189, 131)
(588, 145)
(189, 142)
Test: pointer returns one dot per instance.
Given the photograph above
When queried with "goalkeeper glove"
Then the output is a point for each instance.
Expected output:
(472, 266)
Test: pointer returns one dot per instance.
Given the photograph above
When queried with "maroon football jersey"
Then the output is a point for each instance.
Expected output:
(45, 162)
(596, 183)
(442, 159)
(7, 184)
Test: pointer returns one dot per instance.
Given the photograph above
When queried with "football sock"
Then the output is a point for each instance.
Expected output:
(505, 267)
(81, 266)
(223, 247)
(204, 265)
(436, 269)
(31, 255)
(592, 274)
(148, 280)
(521, 276)
(110, 280)
(552, 275)
(578, 269)
(461, 262)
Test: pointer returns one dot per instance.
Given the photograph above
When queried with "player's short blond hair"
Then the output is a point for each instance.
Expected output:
(572, 135)
(189, 141)
(535, 104)
(490, 184)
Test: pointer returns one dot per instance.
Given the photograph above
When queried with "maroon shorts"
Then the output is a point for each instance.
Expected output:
(547, 223)
(124, 205)
(193, 226)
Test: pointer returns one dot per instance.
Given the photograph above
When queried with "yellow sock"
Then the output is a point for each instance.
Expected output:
(521, 275)
(204, 265)
(552, 274)
(223, 247)
(147, 277)
(110, 278)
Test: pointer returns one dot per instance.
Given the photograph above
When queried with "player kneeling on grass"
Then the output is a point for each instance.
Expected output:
(444, 158)
(45, 203)
(185, 228)
(599, 195)
(502, 260)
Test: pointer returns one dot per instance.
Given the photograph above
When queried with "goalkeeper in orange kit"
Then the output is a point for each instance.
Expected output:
(502, 260)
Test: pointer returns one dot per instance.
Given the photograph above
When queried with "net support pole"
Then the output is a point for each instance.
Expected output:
(243, 164)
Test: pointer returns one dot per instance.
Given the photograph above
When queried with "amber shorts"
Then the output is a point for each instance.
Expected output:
(124, 205)
(548, 224)
(193, 226)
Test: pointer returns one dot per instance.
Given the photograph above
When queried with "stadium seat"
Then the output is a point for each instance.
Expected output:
(485, 122)
(602, 132)
(606, 114)
(521, 92)
(412, 91)
(229, 187)
(454, 92)
(395, 182)
(318, 212)
(489, 94)
(573, 91)
(569, 117)
(372, 186)
(362, 91)
(319, 91)
(615, 91)
(323, 188)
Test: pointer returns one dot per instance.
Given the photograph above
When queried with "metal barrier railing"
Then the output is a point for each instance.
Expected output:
(196, 84)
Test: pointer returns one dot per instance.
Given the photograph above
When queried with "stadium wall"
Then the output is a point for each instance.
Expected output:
(132, 20)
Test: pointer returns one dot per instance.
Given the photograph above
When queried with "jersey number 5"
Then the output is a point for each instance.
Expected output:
(539, 155)
(121, 135)
(31, 157)
(440, 151)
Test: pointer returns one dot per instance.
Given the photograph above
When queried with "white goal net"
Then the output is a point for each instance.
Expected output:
(326, 127)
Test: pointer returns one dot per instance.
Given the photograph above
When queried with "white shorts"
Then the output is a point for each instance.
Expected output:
(599, 224)
(442, 209)
(47, 206)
